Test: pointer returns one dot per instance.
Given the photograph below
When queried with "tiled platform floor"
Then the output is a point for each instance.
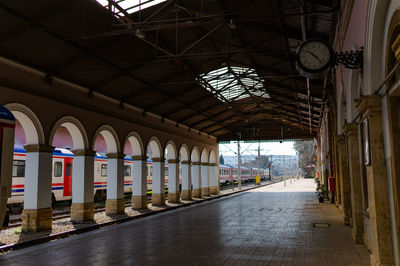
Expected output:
(272, 225)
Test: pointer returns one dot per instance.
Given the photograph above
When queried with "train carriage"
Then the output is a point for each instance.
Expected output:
(62, 176)
(225, 174)
(62, 166)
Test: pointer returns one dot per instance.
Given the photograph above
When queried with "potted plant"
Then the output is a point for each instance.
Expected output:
(321, 192)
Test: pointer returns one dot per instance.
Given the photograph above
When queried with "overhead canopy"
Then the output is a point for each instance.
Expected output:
(223, 67)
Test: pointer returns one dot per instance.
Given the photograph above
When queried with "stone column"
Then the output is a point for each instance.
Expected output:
(337, 175)
(139, 182)
(205, 181)
(378, 202)
(173, 181)
(158, 183)
(115, 203)
(344, 178)
(214, 181)
(37, 214)
(186, 181)
(82, 208)
(196, 175)
(351, 130)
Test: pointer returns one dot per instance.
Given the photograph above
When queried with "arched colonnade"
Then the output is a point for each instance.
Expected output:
(192, 169)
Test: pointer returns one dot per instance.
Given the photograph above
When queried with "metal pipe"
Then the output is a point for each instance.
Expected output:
(304, 36)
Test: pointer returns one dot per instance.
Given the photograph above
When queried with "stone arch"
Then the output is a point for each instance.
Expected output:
(184, 153)
(136, 143)
(195, 155)
(212, 158)
(110, 137)
(374, 46)
(33, 129)
(155, 146)
(171, 150)
(204, 156)
(75, 129)
(393, 32)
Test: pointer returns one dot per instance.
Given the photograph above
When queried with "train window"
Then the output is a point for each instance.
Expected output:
(18, 168)
(127, 170)
(58, 169)
(103, 170)
(68, 169)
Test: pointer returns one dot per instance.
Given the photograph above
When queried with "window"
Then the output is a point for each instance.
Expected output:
(103, 170)
(68, 169)
(130, 6)
(364, 173)
(18, 168)
(58, 169)
(127, 170)
(234, 83)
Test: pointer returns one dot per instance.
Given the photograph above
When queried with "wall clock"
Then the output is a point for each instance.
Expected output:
(314, 58)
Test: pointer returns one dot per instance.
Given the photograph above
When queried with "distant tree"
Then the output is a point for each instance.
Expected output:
(305, 151)
(221, 159)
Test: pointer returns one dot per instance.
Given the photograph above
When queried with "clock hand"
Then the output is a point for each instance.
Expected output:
(311, 53)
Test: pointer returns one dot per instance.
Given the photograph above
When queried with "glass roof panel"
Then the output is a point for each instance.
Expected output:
(234, 83)
(131, 6)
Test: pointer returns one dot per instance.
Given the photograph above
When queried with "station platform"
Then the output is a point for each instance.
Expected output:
(272, 225)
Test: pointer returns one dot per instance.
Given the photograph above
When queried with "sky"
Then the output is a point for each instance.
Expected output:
(269, 148)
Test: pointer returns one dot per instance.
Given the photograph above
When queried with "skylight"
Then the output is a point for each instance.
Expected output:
(130, 6)
(234, 83)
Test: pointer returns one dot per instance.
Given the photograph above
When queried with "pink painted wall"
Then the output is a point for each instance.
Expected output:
(128, 148)
(101, 147)
(19, 138)
(354, 36)
(100, 144)
(62, 139)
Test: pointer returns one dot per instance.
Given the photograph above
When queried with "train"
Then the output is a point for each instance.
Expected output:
(229, 174)
(62, 176)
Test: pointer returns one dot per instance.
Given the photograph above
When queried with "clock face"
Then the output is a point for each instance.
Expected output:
(313, 57)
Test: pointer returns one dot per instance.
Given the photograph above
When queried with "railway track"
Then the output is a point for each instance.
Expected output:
(16, 222)
(58, 215)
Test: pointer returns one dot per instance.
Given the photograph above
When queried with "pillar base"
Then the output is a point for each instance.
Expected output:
(158, 199)
(196, 193)
(115, 206)
(214, 190)
(205, 191)
(174, 197)
(356, 236)
(346, 220)
(37, 220)
(186, 194)
(82, 212)
(366, 242)
(139, 202)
